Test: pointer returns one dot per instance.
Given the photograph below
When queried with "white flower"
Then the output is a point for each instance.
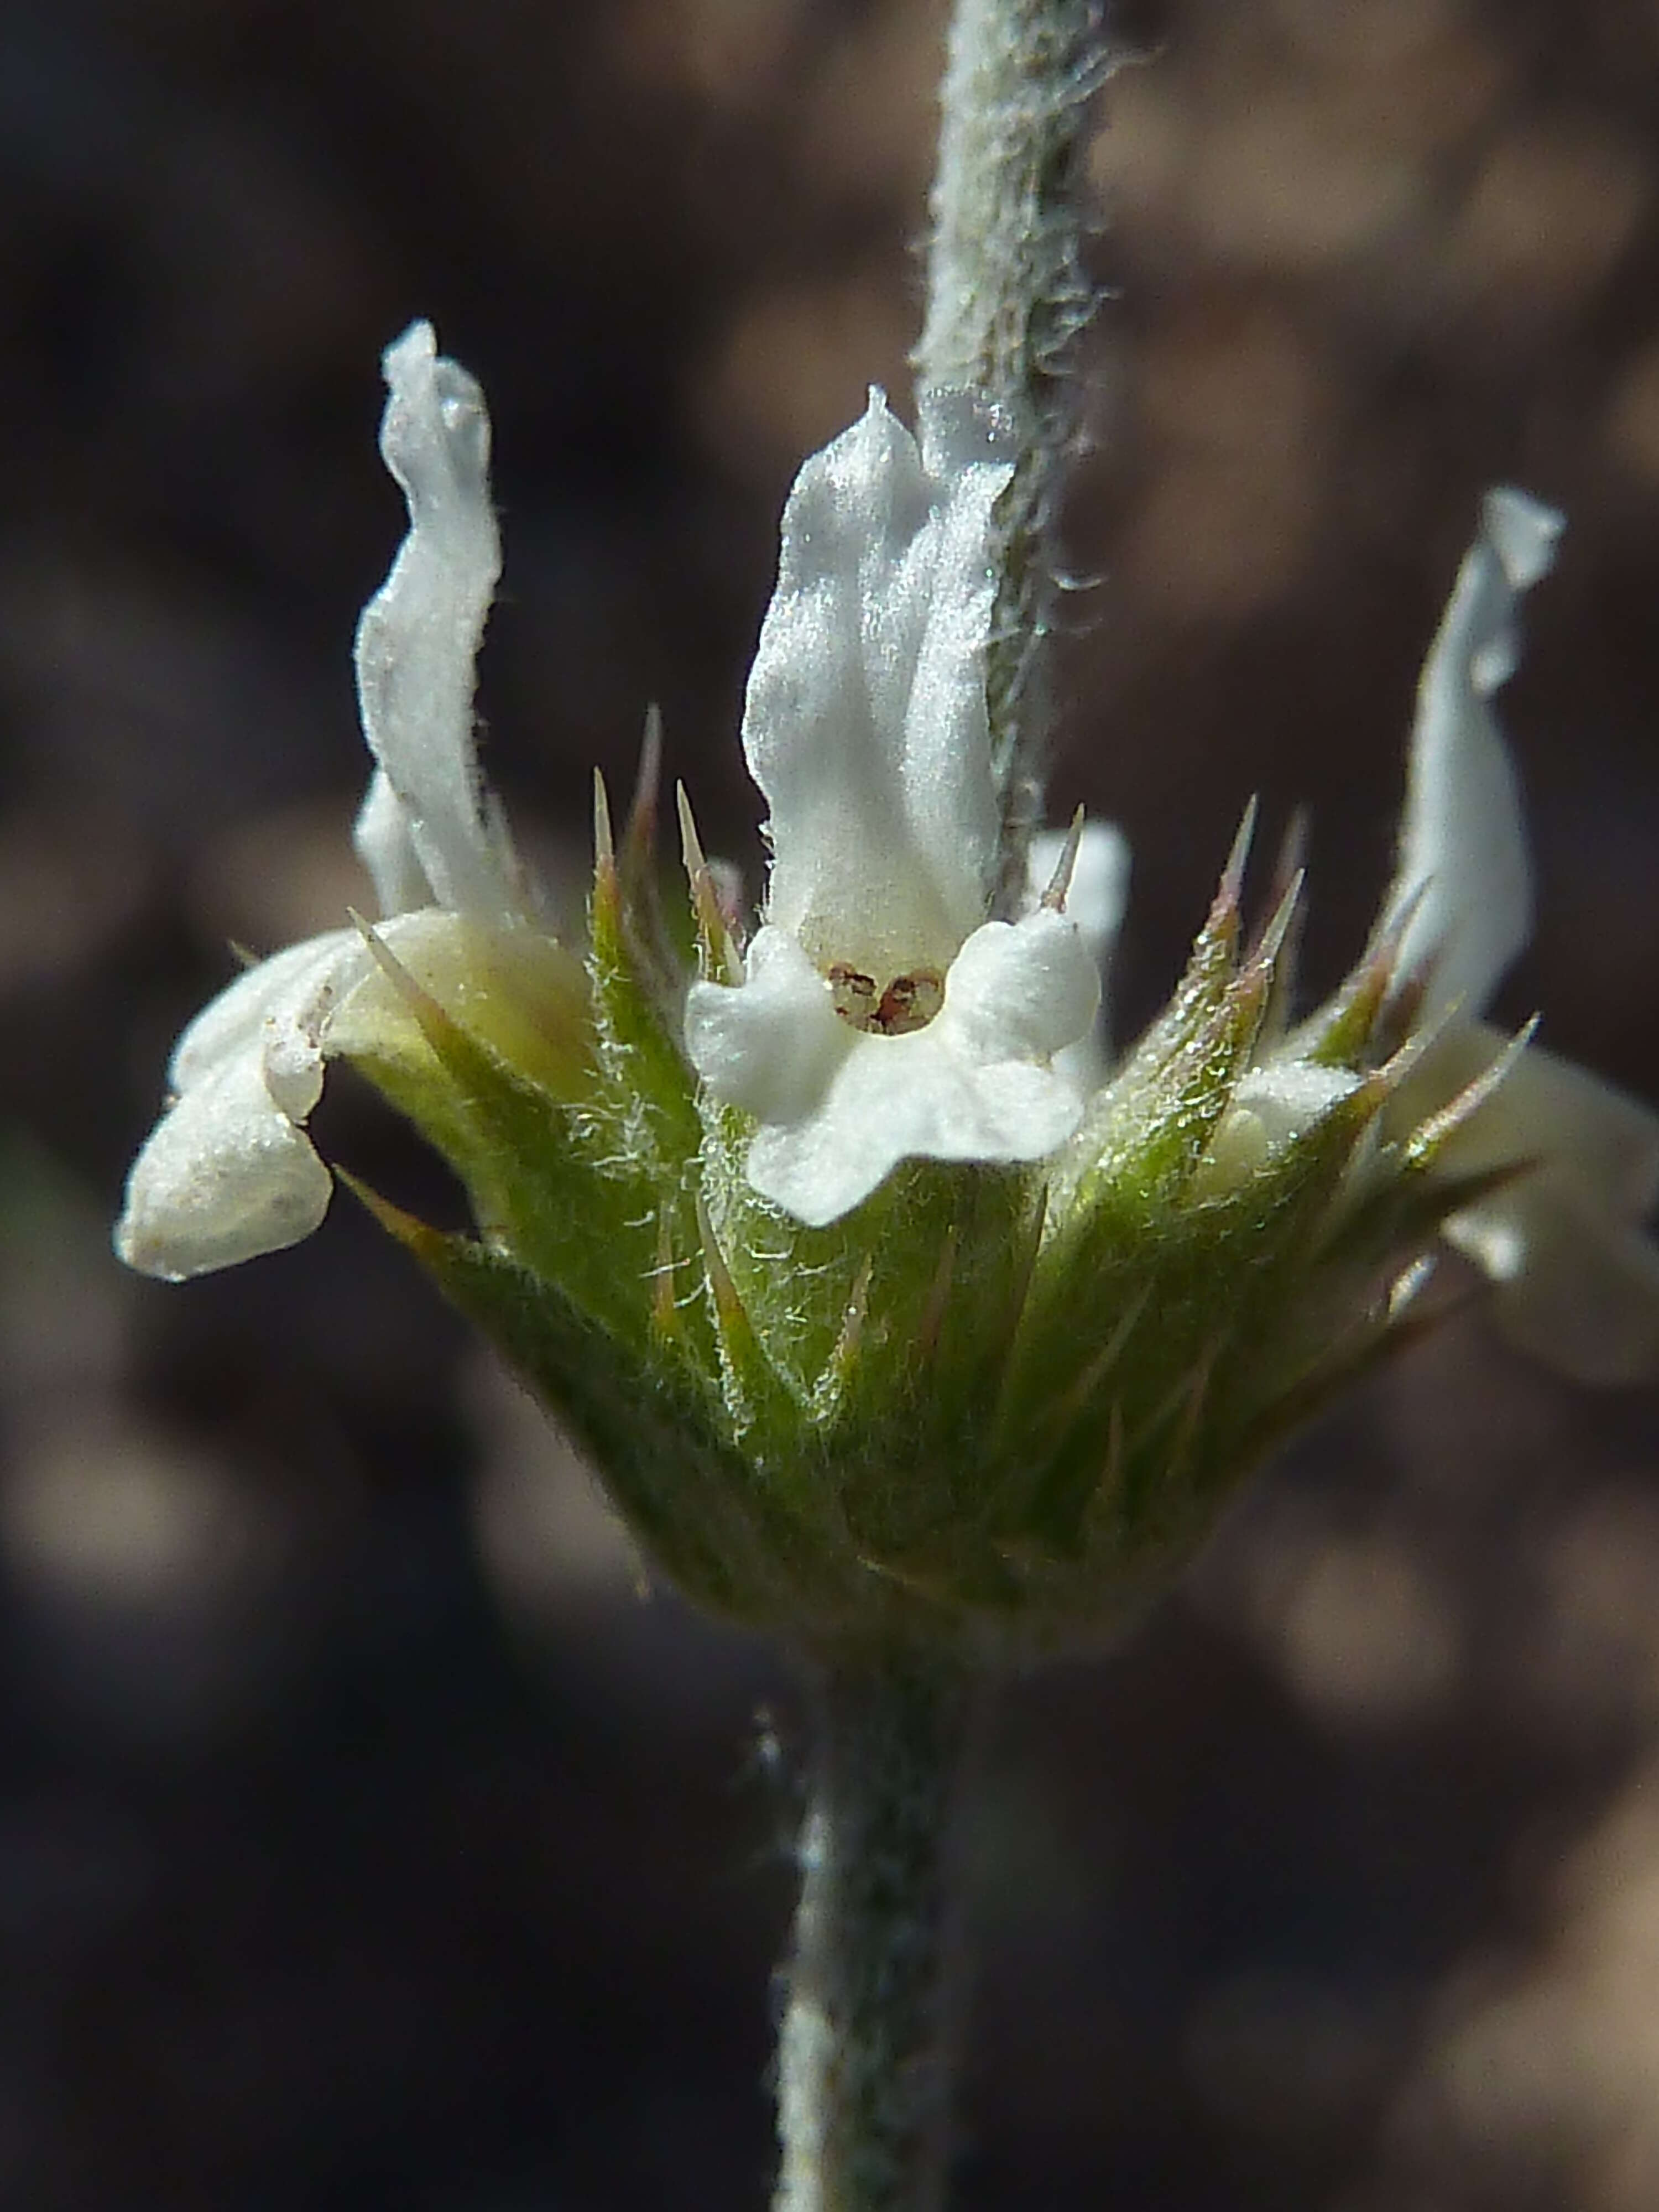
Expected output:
(881, 1016)
(228, 1172)
(1577, 1282)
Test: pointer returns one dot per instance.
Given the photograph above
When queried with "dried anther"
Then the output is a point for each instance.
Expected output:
(909, 1002)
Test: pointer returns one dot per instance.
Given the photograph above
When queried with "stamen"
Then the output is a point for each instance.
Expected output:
(909, 1002)
(855, 994)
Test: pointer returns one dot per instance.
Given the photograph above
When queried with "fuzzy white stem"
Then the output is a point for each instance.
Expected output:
(865, 2056)
(1007, 295)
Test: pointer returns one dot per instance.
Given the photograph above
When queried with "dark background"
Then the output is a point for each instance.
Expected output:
(365, 1840)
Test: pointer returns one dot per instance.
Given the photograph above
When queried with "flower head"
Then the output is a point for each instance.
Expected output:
(880, 1293)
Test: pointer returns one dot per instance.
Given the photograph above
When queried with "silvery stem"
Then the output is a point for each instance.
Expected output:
(864, 2055)
(1007, 295)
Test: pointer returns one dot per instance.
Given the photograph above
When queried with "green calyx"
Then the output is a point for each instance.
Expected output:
(992, 1406)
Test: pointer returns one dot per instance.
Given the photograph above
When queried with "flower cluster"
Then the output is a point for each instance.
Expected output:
(874, 1286)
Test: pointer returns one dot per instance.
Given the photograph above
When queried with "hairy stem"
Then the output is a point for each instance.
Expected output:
(1007, 295)
(864, 2057)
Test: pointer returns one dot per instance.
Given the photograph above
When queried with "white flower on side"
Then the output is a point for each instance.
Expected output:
(881, 1016)
(1576, 1279)
(229, 1172)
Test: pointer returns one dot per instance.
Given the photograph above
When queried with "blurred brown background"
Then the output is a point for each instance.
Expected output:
(364, 1841)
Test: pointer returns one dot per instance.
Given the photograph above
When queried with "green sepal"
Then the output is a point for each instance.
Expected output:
(1148, 1128)
(532, 1164)
(1198, 1313)
(649, 1091)
(661, 1449)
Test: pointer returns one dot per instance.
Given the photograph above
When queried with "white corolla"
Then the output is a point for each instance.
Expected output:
(881, 1015)
(229, 1172)
(1576, 1277)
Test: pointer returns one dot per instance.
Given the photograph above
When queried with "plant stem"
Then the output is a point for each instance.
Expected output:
(1007, 295)
(864, 2055)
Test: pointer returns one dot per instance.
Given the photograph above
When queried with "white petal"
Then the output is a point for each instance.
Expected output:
(1577, 1278)
(1095, 903)
(864, 722)
(299, 977)
(1275, 1105)
(1576, 1288)
(419, 635)
(227, 1172)
(1464, 849)
(1098, 895)
(772, 1045)
(225, 1177)
(1551, 1110)
(1019, 990)
(907, 1098)
(1287, 1096)
(385, 846)
(840, 1108)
